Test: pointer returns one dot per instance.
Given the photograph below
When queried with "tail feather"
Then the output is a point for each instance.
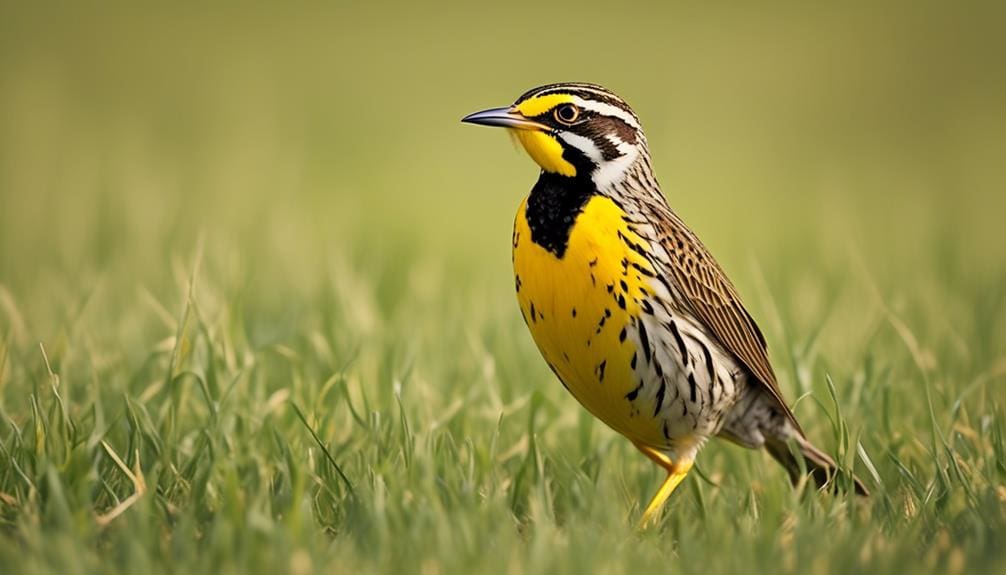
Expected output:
(820, 465)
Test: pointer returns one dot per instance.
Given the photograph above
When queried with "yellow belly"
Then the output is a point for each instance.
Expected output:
(580, 307)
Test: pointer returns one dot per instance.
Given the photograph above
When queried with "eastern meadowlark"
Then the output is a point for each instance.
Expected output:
(627, 306)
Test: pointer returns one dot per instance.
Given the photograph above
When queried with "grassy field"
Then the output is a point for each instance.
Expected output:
(256, 309)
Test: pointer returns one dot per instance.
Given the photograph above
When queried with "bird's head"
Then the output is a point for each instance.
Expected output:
(574, 130)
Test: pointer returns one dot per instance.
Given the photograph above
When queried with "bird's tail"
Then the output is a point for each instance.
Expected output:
(818, 463)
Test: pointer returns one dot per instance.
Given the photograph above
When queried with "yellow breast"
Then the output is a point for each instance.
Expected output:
(581, 307)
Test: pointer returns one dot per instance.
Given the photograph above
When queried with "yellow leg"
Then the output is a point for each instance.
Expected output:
(676, 472)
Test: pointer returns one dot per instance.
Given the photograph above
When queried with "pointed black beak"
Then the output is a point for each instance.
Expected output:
(505, 117)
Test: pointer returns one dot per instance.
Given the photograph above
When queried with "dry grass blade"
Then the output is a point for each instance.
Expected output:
(134, 475)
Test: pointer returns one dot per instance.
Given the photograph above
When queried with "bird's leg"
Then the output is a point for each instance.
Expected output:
(676, 472)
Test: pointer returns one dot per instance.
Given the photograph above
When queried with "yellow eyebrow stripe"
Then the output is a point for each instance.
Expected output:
(541, 104)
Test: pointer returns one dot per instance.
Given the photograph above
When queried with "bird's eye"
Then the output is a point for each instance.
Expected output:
(567, 113)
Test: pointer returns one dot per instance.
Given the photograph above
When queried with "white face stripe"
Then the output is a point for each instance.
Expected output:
(607, 110)
(585, 145)
(607, 172)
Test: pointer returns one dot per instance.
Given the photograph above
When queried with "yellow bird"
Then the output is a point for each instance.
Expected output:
(627, 306)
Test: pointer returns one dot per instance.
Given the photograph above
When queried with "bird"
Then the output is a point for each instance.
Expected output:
(627, 306)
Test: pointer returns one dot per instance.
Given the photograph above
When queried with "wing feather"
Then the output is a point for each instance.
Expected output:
(713, 299)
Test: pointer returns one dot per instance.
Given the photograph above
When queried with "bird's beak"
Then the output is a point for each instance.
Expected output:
(505, 117)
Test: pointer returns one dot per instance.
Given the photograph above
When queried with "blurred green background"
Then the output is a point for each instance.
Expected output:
(282, 131)
(846, 162)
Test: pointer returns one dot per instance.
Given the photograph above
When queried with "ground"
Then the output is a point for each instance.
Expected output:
(257, 313)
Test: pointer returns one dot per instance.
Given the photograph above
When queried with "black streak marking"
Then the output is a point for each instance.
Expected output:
(621, 301)
(625, 286)
(632, 245)
(665, 283)
(681, 343)
(600, 370)
(709, 360)
(667, 433)
(647, 308)
(660, 398)
(533, 317)
(642, 270)
(691, 386)
(632, 395)
(644, 341)
(574, 312)
(621, 335)
(632, 363)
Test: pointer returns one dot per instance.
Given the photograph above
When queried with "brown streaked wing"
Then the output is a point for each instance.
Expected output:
(714, 300)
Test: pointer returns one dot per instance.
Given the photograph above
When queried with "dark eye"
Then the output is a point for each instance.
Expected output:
(567, 113)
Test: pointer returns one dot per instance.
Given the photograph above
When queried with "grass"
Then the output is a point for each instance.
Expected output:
(256, 312)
